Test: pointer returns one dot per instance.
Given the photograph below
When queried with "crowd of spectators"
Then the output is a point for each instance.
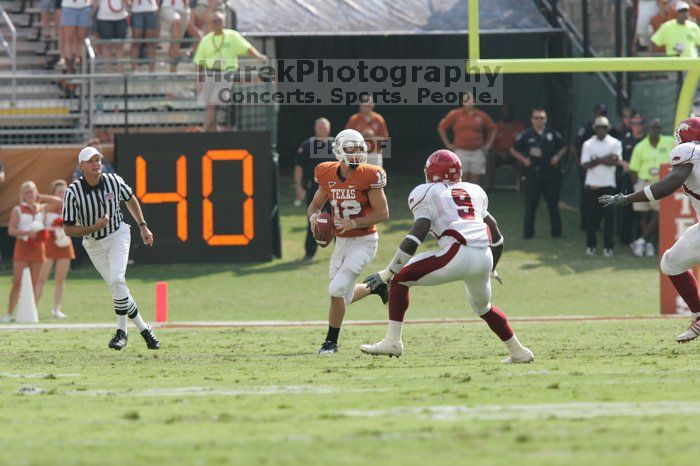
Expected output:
(145, 22)
(668, 27)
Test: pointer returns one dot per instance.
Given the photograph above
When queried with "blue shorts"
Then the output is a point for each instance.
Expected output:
(47, 5)
(79, 17)
(110, 29)
(144, 20)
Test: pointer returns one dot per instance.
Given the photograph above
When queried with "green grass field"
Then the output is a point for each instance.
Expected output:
(604, 392)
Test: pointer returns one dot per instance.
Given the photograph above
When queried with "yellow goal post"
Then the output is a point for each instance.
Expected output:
(589, 65)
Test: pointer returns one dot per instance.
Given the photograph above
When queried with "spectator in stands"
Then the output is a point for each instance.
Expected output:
(372, 127)
(631, 135)
(693, 10)
(203, 13)
(59, 249)
(647, 157)
(473, 135)
(26, 226)
(144, 25)
(311, 152)
(540, 150)
(600, 155)
(75, 22)
(507, 129)
(679, 36)
(49, 8)
(665, 13)
(112, 25)
(175, 15)
(219, 51)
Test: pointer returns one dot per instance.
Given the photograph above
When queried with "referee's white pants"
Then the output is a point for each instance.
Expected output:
(110, 256)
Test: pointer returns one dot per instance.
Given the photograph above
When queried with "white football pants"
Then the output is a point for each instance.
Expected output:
(451, 264)
(110, 256)
(350, 256)
(684, 254)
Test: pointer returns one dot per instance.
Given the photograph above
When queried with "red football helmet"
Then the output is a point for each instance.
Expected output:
(443, 165)
(688, 130)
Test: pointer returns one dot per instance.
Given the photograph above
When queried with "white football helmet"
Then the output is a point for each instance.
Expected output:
(350, 148)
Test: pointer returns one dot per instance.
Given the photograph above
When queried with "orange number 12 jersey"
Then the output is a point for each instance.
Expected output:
(349, 197)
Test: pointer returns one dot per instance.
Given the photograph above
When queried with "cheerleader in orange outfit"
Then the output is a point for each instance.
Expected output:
(59, 248)
(27, 226)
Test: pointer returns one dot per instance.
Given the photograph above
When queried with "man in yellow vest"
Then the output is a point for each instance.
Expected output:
(218, 52)
(680, 36)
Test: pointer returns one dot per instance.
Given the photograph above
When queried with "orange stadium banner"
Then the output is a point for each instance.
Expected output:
(675, 216)
(41, 165)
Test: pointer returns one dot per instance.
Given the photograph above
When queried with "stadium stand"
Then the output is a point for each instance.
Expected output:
(39, 106)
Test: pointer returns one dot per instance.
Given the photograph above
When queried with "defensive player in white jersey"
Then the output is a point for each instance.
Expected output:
(456, 212)
(678, 261)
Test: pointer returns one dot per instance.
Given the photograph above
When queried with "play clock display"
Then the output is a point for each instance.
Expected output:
(207, 197)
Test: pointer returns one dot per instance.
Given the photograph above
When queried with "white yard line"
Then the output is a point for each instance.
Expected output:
(210, 391)
(321, 323)
(574, 410)
(35, 376)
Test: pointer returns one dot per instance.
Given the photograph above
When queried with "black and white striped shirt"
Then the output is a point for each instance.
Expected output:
(84, 204)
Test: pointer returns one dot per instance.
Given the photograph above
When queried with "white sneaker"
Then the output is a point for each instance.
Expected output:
(524, 357)
(6, 319)
(58, 314)
(649, 250)
(608, 253)
(637, 247)
(692, 332)
(384, 348)
(590, 251)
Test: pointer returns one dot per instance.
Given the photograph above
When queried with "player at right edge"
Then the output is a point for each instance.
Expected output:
(678, 261)
(471, 244)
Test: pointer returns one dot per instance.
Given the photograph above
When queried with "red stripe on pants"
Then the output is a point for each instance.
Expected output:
(398, 292)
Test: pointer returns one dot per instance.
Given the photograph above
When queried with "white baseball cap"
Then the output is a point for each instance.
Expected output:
(88, 153)
(682, 6)
(601, 121)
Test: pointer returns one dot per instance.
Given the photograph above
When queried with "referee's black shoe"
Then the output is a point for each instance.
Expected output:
(118, 341)
(150, 338)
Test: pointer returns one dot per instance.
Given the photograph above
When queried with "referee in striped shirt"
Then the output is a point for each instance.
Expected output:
(91, 209)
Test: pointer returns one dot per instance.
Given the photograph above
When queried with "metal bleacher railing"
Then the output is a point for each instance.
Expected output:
(160, 101)
(41, 105)
(10, 48)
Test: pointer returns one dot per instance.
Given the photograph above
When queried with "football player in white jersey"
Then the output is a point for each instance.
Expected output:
(678, 261)
(456, 212)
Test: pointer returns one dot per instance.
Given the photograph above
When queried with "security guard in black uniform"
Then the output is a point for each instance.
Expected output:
(311, 152)
(540, 150)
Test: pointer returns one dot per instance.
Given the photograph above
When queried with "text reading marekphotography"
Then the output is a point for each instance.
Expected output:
(346, 82)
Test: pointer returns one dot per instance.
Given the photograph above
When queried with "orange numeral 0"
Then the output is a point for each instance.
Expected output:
(246, 159)
(179, 197)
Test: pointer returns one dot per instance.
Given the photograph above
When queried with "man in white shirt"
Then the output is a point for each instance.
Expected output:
(112, 25)
(599, 156)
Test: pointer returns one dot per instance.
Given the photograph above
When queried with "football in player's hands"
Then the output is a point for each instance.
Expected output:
(324, 232)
